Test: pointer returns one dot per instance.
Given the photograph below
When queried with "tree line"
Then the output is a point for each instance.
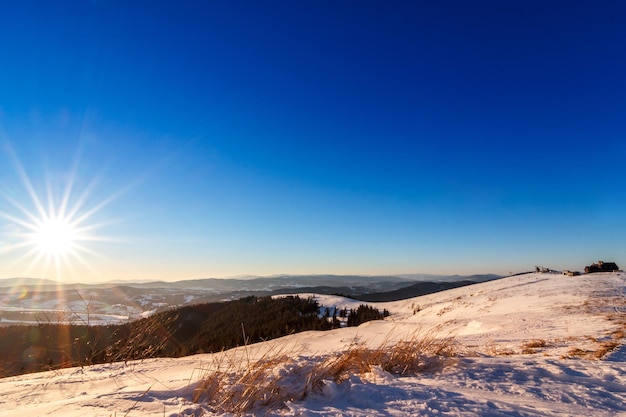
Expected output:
(182, 331)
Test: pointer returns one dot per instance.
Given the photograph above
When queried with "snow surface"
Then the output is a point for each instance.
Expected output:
(498, 373)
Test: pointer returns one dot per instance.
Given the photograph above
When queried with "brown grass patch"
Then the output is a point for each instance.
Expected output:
(618, 334)
(534, 346)
(537, 343)
(492, 349)
(411, 356)
(604, 349)
(577, 352)
(234, 384)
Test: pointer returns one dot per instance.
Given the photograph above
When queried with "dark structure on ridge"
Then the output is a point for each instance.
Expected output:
(602, 266)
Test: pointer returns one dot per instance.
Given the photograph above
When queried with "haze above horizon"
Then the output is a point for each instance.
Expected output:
(161, 141)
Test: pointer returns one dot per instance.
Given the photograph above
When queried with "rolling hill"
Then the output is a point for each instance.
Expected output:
(528, 345)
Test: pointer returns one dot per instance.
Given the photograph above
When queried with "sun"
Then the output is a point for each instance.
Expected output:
(55, 237)
(51, 233)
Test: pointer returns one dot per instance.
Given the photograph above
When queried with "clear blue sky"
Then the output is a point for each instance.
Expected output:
(209, 139)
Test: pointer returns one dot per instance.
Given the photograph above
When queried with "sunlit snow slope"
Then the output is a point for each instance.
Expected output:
(530, 345)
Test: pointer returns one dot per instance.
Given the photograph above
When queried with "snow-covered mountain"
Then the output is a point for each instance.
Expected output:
(528, 345)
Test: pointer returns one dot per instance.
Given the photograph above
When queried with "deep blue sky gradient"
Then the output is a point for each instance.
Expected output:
(323, 137)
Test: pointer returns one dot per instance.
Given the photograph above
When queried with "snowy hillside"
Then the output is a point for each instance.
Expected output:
(528, 345)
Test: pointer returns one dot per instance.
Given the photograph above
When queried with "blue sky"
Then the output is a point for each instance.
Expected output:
(211, 139)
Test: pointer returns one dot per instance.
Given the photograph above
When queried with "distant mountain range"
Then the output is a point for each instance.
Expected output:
(414, 290)
(32, 300)
(365, 283)
(34, 282)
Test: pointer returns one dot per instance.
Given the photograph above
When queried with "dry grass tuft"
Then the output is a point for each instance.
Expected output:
(234, 384)
(612, 341)
(492, 349)
(577, 352)
(618, 334)
(604, 349)
(537, 343)
(530, 348)
(410, 356)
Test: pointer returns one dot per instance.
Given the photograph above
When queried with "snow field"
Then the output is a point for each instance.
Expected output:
(527, 346)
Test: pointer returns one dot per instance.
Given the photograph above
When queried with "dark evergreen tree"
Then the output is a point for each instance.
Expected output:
(363, 314)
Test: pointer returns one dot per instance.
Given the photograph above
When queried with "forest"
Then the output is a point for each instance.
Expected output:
(187, 330)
